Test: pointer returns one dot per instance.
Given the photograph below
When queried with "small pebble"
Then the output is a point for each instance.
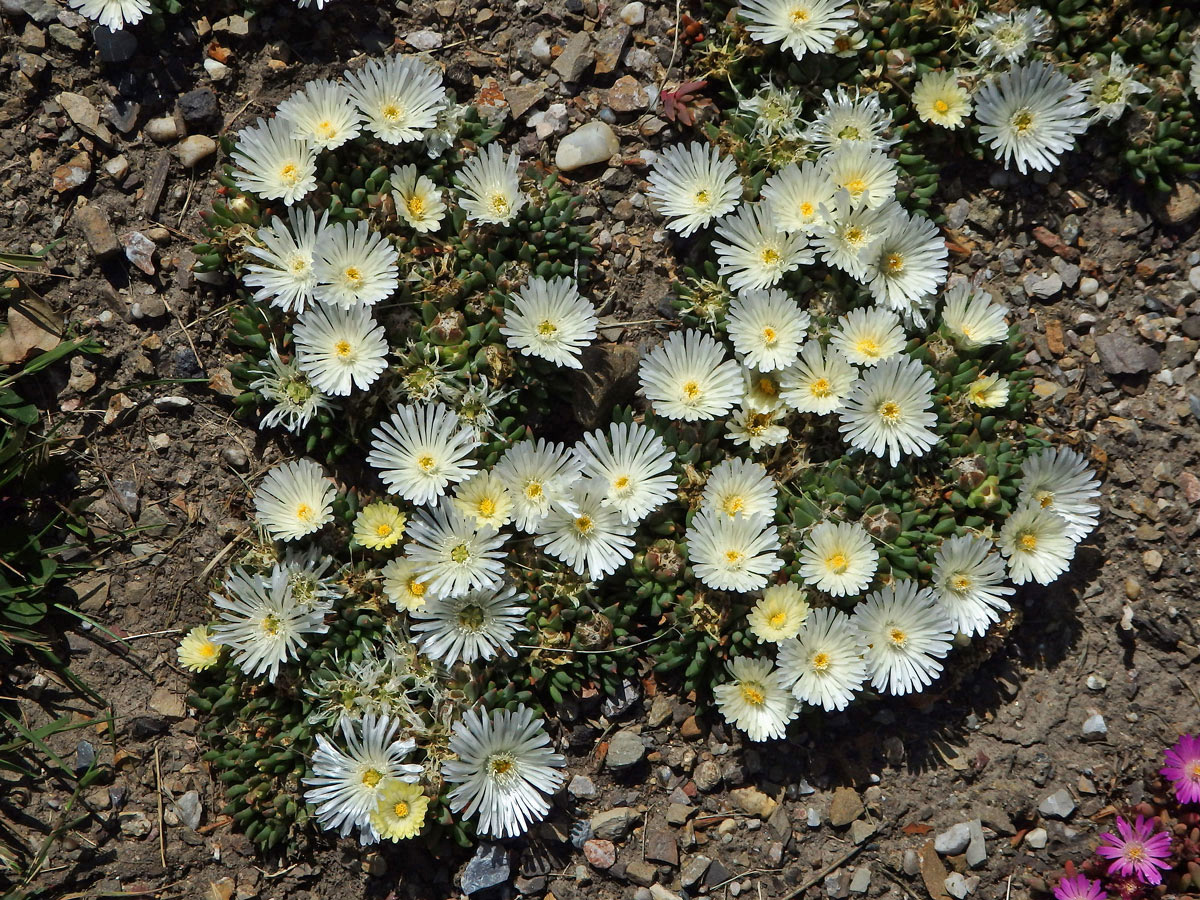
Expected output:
(163, 129)
(633, 13)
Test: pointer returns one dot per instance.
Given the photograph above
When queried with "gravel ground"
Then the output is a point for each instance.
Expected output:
(980, 789)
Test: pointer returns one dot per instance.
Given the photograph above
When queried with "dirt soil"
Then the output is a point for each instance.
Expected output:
(848, 806)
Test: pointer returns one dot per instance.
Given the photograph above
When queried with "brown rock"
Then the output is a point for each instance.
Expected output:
(753, 802)
(576, 56)
(72, 174)
(32, 326)
(98, 233)
(609, 48)
(608, 377)
(933, 872)
(1179, 206)
(521, 97)
(627, 95)
(661, 846)
(641, 872)
(1191, 487)
(1054, 337)
(600, 854)
(845, 807)
(690, 729)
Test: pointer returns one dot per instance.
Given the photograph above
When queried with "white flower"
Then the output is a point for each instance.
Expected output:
(888, 411)
(293, 500)
(867, 176)
(282, 383)
(631, 469)
(940, 99)
(549, 319)
(838, 558)
(1058, 478)
(779, 614)
(756, 699)
(345, 784)
(732, 553)
(485, 499)
(1112, 90)
(1037, 544)
(355, 266)
(689, 377)
(756, 428)
(760, 390)
(491, 186)
(378, 525)
(113, 14)
(972, 318)
(305, 570)
(775, 113)
(440, 137)
(824, 662)
(867, 337)
(262, 623)
(849, 236)
(273, 164)
(848, 121)
(755, 253)
(1030, 115)
(198, 651)
(538, 476)
(591, 538)
(340, 349)
(1008, 36)
(909, 265)
(322, 114)
(988, 391)
(693, 185)
(399, 97)
(820, 380)
(767, 328)
(848, 43)
(417, 199)
(285, 274)
(470, 627)
(451, 555)
(800, 196)
(504, 769)
(420, 450)
(803, 26)
(403, 584)
(738, 487)
(906, 633)
(969, 582)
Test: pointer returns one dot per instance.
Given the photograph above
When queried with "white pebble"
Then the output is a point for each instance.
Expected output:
(633, 13)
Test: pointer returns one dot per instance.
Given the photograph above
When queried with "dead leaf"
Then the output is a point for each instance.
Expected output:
(917, 828)
(32, 326)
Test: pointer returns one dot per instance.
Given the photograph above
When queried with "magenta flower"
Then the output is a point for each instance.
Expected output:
(1079, 888)
(1138, 852)
(1183, 768)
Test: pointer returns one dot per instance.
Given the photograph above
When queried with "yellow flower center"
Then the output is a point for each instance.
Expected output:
(326, 129)
(271, 625)
(460, 554)
(855, 186)
(941, 106)
(471, 617)
(208, 649)
(821, 661)
(416, 588)
(691, 390)
(897, 636)
(1045, 499)
(290, 174)
(889, 411)
(533, 490)
(416, 205)
(621, 483)
(966, 330)
(767, 386)
(703, 197)
(1022, 121)
(299, 266)
(400, 810)
(820, 388)
(1028, 542)
(383, 529)
(372, 777)
(734, 557)
(392, 113)
(894, 262)
(584, 524)
(500, 205)
(304, 512)
(769, 336)
(777, 620)
(867, 346)
(342, 349)
(354, 277)
(500, 765)
(1134, 852)
(806, 209)
(838, 563)
(850, 133)
(1194, 770)
(426, 463)
(770, 256)
(855, 236)
(800, 15)
(546, 328)
(487, 507)
(753, 694)
(733, 505)
(960, 583)
(757, 423)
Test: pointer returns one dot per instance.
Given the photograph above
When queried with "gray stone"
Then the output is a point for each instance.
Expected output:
(977, 848)
(661, 846)
(837, 885)
(85, 755)
(658, 892)
(693, 870)
(577, 55)
(199, 107)
(61, 34)
(139, 250)
(1121, 354)
(1088, 286)
(188, 809)
(911, 863)
(1037, 838)
(813, 817)
(633, 13)
(540, 49)
(614, 824)
(641, 872)
(192, 151)
(861, 882)
(592, 143)
(1094, 728)
(860, 830)
(953, 840)
(1058, 805)
(41, 11)
(522, 97)
(114, 46)
(956, 886)
(488, 868)
(609, 47)
(845, 807)
(424, 40)
(707, 776)
(582, 787)
(81, 111)
(625, 750)
(1043, 286)
(93, 222)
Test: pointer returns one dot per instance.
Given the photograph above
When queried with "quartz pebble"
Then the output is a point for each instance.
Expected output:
(192, 151)
(633, 13)
(592, 143)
